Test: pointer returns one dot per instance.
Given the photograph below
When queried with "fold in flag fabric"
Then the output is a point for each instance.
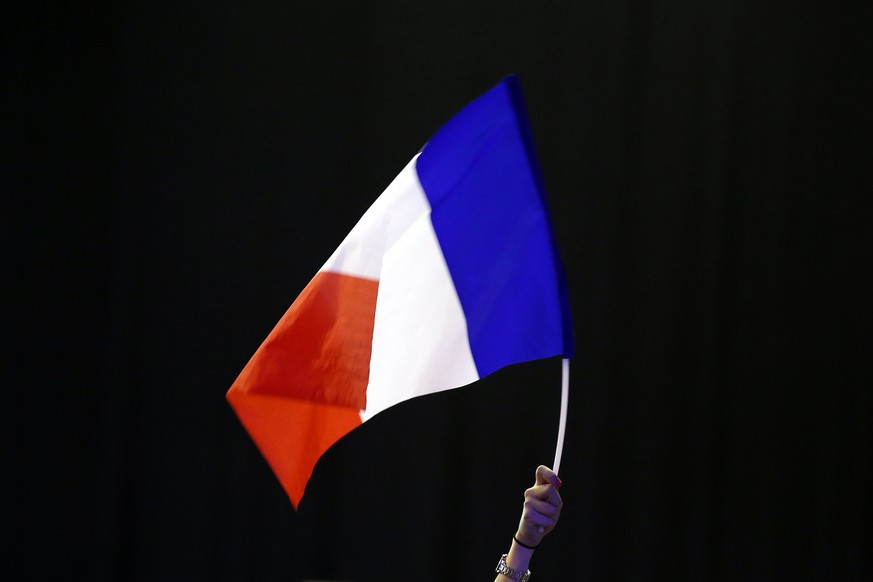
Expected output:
(451, 274)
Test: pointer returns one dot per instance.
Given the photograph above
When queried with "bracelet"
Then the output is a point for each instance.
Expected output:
(503, 568)
(524, 545)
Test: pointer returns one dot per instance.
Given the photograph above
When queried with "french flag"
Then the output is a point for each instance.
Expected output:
(451, 274)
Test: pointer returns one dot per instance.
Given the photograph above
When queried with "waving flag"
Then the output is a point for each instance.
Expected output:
(450, 275)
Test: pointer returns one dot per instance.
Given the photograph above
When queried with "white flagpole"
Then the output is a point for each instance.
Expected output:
(562, 425)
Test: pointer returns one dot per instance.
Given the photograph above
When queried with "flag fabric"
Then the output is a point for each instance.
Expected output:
(451, 274)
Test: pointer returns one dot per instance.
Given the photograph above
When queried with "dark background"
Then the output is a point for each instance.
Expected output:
(174, 174)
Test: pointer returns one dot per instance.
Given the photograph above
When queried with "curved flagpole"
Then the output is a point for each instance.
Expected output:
(562, 425)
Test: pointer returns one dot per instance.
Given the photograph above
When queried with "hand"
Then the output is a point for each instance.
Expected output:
(542, 508)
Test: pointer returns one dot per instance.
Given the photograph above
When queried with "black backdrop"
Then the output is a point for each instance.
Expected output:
(176, 173)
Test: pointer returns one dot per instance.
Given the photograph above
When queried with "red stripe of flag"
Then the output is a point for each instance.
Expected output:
(305, 386)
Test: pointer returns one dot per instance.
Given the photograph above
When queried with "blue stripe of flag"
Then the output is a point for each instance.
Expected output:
(488, 209)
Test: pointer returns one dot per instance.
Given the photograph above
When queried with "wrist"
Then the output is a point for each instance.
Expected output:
(524, 538)
(519, 557)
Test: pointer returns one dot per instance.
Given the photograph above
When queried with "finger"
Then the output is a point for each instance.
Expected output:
(538, 520)
(545, 492)
(533, 521)
(543, 508)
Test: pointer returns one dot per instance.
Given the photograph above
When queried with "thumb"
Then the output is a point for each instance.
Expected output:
(545, 476)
